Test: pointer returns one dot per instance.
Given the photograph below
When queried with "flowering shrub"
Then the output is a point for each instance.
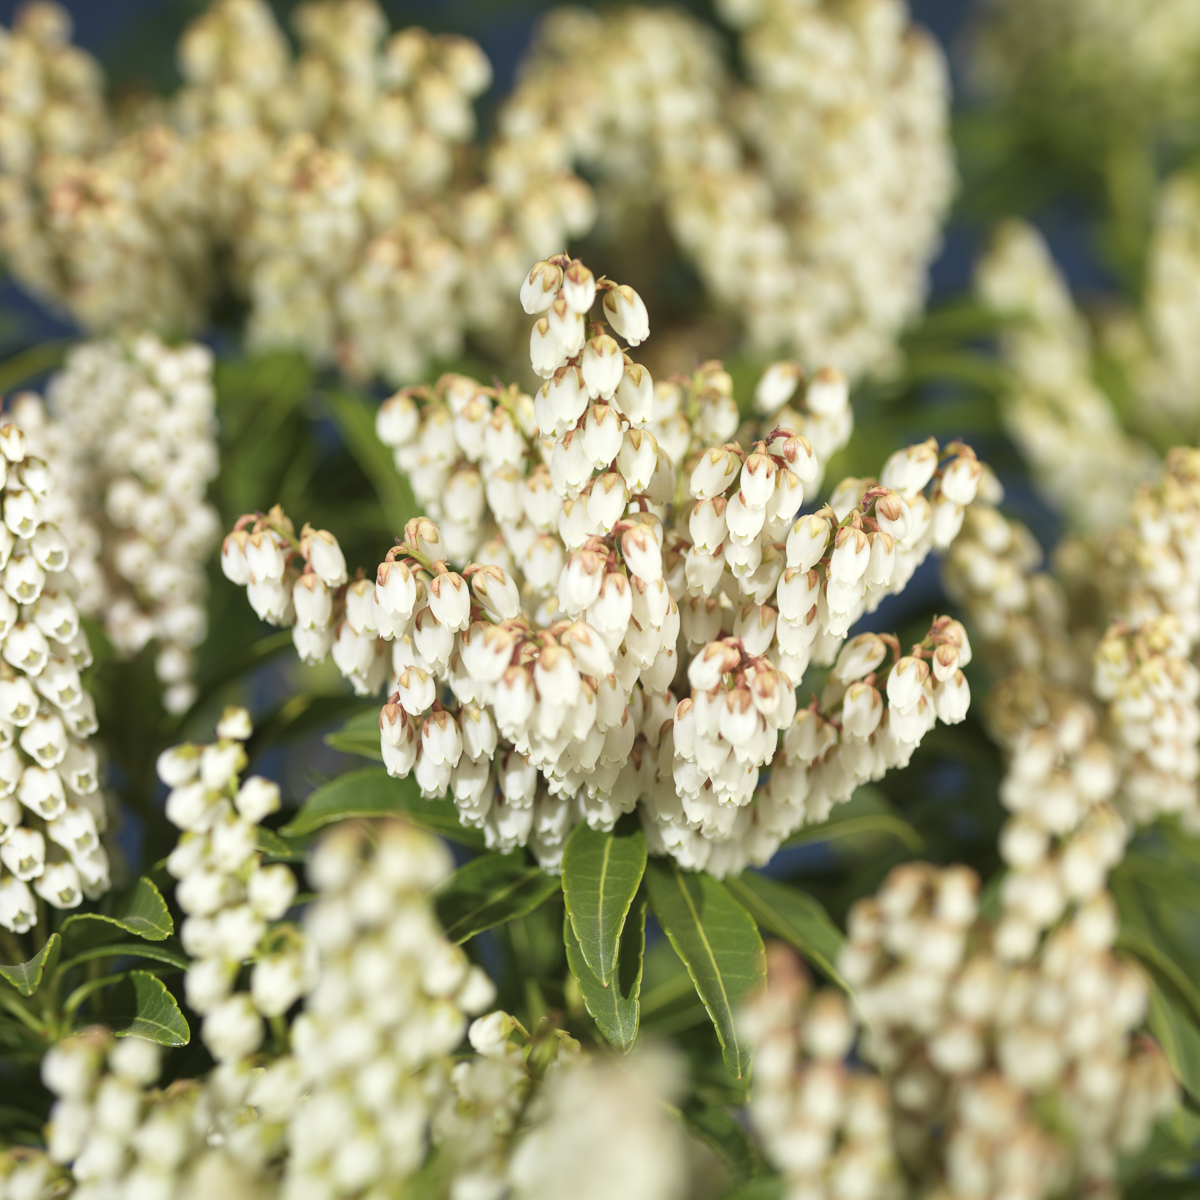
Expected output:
(597, 767)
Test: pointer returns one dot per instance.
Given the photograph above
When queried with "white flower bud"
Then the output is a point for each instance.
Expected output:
(777, 386)
(324, 555)
(540, 288)
(908, 471)
(626, 312)
(859, 657)
(807, 542)
(578, 288)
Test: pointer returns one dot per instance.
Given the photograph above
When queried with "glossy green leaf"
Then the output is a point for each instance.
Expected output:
(716, 1127)
(355, 419)
(280, 849)
(793, 915)
(27, 977)
(601, 873)
(359, 735)
(372, 792)
(490, 890)
(615, 1006)
(129, 950)
(141, 1006)
(718, 942)
(145, 914)
(1177, 1033)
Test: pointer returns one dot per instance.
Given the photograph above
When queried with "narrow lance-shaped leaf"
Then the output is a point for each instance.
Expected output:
(793, 915)
(490, 890)
(615, 1006)
(372, 792)
(141, 1006)
(145, 914)
(27, 977)
(718, 942)
(600, 876)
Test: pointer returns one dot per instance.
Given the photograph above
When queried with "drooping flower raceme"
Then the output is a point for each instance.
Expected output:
(233, 902)
(51, 809)
(129, 430)
(638, 600)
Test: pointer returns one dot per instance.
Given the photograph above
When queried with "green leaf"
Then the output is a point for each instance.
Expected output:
(719, 944)
(26, 977)
(490, 890)
(145, 915)
(601, 873)
(359, 735)
(1176, 1032)
(372, 792)
(793, 915)
(714, 1126)
(355, 419)
(141, 1006)
(769, 1188)
(128, 950)
(279, 849)
(615, 1006)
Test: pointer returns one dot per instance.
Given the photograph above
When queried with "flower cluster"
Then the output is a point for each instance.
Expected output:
(51, 810)
(614, 553)
(826, 1126)
(324, 188)
(129, 430)
(1063, 423)
(232, 901)
(1005, 1080)
(784, 193)
(371, 1050)
(123, 1137)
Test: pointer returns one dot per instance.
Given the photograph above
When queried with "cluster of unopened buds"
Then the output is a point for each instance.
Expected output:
(1034, 1072)
(233, 902)
(616, 544)
(51, 809)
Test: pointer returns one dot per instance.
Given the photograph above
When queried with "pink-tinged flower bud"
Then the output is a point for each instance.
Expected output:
(707, 523)
(561, 401)
(588, 649)
(12, 443)
(540, 288)
(324, 555)
(626, 312)
(743, 520)
(709, 667)
(497, 592)
(860, 656)
(362, 613)
(580, 582)
(642, 554)
(945, 662)
(714, 473)
(607, 500)
(882, 561)
(893, 516)
(234, 563)
(952, 698)
(960, 480)
(777, 386)
(637, 459)
(567, 327)
(426, 537)
(557, 680)
(906, 683)
(634, 396)
(545, 352)
(755, 625)
(415, 691)
(450, 601)
(313, 603)
(398, 421)
(808, 541)
(440, 739)
(579, 288)
(851, 553)
(828, 393)
(603, 365)
(862, 710)
(908, 471)
(757, 483)
(395, 592)
(601, 435)
(797, 593)
(947, 521)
